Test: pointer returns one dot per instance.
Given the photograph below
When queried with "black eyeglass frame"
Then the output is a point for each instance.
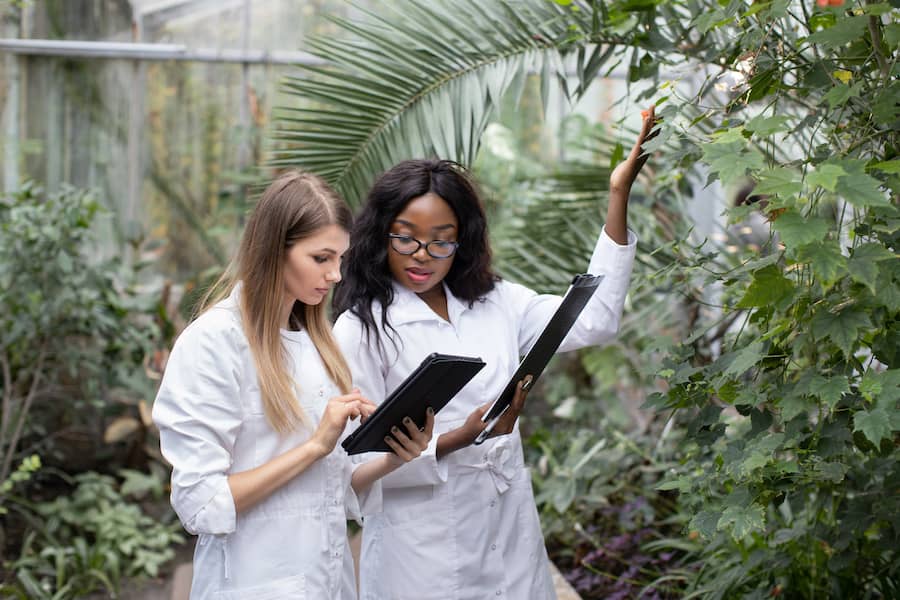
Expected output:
(400, 236)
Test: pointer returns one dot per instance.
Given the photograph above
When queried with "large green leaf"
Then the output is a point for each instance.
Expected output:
(874, 424)
(844, 31)
(769, 287)
(826, 260)
(392, 89)
(843, 327)
(796, 230)
(742, 520)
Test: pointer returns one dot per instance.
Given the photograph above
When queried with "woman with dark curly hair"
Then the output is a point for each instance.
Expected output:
(459, 522)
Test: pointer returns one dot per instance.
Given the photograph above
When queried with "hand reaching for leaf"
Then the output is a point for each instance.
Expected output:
(626, 172)
(623, 177)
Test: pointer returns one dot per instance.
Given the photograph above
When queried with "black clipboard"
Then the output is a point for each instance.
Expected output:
(582, 288)
(433, 383)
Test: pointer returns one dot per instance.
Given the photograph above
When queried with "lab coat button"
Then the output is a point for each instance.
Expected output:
(493, 546)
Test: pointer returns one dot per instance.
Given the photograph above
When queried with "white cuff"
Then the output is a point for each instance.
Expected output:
(208, 508)
(425, 469)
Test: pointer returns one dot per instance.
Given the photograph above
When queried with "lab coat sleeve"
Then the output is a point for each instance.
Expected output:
(367, 366)
(366, 502)
(599, 322)
(198, 412)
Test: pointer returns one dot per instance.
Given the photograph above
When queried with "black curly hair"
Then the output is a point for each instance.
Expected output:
(366, 276)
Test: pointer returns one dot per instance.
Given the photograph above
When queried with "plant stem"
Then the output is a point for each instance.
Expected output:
(20, 424)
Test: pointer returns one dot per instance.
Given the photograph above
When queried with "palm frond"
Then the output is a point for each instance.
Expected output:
(422, 78)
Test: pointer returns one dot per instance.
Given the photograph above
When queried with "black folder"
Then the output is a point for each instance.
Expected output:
(434, 382)
(581, 290)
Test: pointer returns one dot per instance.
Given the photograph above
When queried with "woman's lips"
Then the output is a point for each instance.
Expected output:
(418, 275)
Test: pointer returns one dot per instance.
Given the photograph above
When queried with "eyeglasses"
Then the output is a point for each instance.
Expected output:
(407, 245)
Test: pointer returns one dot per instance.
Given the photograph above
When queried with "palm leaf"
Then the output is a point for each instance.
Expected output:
(422, 78)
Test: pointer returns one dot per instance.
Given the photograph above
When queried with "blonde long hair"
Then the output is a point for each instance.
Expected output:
(292, 208)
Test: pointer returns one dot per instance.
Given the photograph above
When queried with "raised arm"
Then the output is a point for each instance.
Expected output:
(623, 177)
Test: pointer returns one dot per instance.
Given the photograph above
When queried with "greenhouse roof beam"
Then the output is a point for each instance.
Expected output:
(133, 51)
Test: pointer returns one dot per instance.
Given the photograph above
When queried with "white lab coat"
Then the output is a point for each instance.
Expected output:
(292, 544)
(466, 527)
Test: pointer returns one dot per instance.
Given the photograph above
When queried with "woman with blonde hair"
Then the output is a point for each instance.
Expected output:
(255, 397)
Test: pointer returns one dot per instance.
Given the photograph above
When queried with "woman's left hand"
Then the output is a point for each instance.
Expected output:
(508, 421)
(623, 176)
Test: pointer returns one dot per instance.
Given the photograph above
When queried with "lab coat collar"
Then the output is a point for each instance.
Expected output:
(407, 307)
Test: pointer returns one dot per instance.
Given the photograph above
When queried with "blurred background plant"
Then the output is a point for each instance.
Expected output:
(76, 339)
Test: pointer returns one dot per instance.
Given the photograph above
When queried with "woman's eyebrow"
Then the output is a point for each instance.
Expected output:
(443, 227)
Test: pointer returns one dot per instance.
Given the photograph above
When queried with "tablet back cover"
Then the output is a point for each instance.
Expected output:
(435, 381)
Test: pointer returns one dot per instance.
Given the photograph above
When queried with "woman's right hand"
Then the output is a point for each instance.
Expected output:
(334, 419)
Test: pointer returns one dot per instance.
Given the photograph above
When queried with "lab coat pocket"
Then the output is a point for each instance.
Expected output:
(408, 504)
(418, 560)
(293, 587)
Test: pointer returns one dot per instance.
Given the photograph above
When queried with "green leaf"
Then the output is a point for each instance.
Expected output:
(890, 166)
(563, 494)
(783, 536)
(704, 522)
(841, 92)
(792, 405)
(826, 176)
(863, 264)
(766, 126)
(842, 328)
(780, 181)
(877, 9)
(883, 387)
(742, 521)
(830, 390)
(738, 362)
(617, 155)
(861, 190)
(707, 21)
(761, 452)
(892, 34)
(390, 90)
(826, 260)
(832, 471)
(729, 156)
(754, 461)
(796, 231)
(769, 287)
(682, 484)
(874, 424)
(844, 31)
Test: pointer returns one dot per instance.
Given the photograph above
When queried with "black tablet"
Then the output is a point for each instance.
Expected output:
(434, 382)
(583, 287)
